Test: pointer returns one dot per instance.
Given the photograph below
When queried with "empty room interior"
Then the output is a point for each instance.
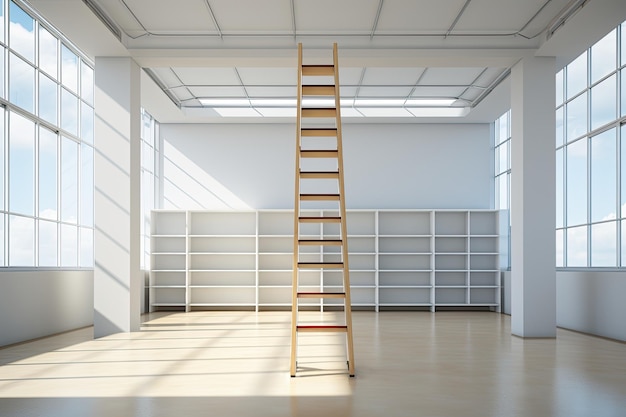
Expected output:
(299, 208)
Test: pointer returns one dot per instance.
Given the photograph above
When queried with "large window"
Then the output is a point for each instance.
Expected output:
(46, 157)
(591, 156)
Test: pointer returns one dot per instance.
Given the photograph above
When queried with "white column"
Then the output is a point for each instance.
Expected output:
(117, 279)
(533, 191)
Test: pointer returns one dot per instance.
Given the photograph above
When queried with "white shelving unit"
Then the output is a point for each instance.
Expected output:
(399, 259)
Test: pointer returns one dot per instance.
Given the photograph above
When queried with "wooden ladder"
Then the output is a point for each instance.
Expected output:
(316, 148)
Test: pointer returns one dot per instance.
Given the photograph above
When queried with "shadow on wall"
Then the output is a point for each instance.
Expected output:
(187, 186)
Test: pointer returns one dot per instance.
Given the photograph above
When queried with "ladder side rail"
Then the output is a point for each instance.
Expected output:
(342, 208)
(296, 223)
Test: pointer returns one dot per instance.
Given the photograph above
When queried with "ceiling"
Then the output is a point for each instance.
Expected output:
(208, 55)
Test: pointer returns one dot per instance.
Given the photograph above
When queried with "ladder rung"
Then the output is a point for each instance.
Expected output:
(318, 219)
(321, 295)
(318, 90)
(328, 153)
(320, 242)
(310, 131)
(322, 328)
(318, 70)
(319, 112)
(319, 197)
(319, 174)
(318, 265)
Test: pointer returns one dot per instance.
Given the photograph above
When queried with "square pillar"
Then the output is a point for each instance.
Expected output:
(117, 164)
(533, 198)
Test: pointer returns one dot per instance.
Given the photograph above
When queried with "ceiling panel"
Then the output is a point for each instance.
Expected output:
(208, 76)
(273, 91)
(450, 76)
(503, 15)
(388, 91)
(252, 15)
(418, 16)
(167, 76)
(269, 76)
(218, 91)
(343, 16)
(165, 16)
(391, 76)
(437, 91)
(489, 76)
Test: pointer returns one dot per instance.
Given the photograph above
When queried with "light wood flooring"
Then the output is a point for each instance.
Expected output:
(443, 364)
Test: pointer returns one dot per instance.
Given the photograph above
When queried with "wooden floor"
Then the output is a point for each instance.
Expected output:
(237, 364)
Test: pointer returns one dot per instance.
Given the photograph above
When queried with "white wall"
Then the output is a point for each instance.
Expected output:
(586, 301)
(592, 302)
(39, 303)
(386, 166)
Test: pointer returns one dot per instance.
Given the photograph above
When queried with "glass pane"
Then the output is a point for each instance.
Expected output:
(559, 248)
(69, 245)
(22, 241)
(604, 102)
(576, 117)
(559, 126)
(503, 157)
(86, 185)
(48, 99)
(2, 259)
(623, 173)
(86, 123)
(86, 248)
(69, 180)
(21, 32)
(48, 189)
(604, 56)
(603, 176)
(623, 224)
(576, 79)
(69, 69)
(604, 244)
(577, 246)
(48, 53)
(21, 84)
(577, 183)
(2, 146)
(86, 83)
(147, 132)
(623, 100)
(559, 188)
(2, 77)
(69, 112)
(2, 24)
(503, 192)
(21, 165)
(503, 127)
(559, 88)
(48, 242)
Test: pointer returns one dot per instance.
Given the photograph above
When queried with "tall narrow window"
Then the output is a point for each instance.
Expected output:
(48, 177)
(577, 183)
(604, 176)
(21, 32)
(69, 180)
(21, 165)
(21, 83)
